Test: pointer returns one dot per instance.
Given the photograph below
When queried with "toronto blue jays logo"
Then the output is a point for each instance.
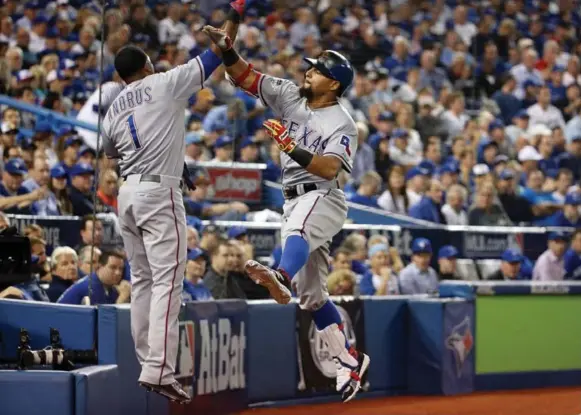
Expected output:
(460, 342)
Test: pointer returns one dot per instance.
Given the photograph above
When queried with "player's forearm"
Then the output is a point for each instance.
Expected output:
(327, 167)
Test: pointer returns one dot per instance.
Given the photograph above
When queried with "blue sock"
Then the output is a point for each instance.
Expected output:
(327, 315)
(294, 255)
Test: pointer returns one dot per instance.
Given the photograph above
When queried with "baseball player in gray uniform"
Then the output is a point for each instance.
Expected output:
(145, 129)
(318, 139)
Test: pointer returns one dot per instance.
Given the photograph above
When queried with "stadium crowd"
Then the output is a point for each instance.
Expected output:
(468, 113)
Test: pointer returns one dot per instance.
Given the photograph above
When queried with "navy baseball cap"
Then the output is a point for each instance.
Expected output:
(421, 246)
(506, 174)
(488, 142)
(400, 133)
(223, 141)
(193, 138)
(86, 149)
(523, 114)
(427, 165)
(416, 171)
(236, 232)
(495, 124)
(73, 140)
(530, 82)
(511, 255)
(58, 172)
(447, 251)
(16, 166)
(248, 141)
(573, 199)
(194, 254)
(558, 236)
(43, 126)
(81, 168)
(450, 168)
(386, 116)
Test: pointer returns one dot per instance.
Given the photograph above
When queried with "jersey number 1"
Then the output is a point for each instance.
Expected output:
(133, 132)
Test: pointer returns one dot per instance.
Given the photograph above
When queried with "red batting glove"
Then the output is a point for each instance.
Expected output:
(238, 5)
(279, 133)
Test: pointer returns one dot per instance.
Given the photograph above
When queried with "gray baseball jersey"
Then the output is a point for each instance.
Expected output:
(145, 128)
(325, 131)
(318, 215)
(145, 125)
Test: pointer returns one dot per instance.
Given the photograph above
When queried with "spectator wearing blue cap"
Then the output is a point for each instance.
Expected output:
(15, 198)
(82, 176)
(381, 279)
(239, 233)
(428, 208)
(510, 267)
(487, 151)
(43, 139)
(572, 258)
(550, 266)
(447, 256)
(369, 186)
(249, 151)
(519, 126)
(401, 151)
(571, 159)
(194, 147)
(86, 155)
(417, 181)
(570, 215)
(194, 288)
(224, 149)
(517, 208)
(418, 277)
(39, 177)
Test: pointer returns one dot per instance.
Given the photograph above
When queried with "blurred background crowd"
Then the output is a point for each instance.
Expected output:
(468, 113)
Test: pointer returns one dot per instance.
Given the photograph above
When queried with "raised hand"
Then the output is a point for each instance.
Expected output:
(219, 37)
(279, 133)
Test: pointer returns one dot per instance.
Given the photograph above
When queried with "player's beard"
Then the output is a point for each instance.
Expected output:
(306, 92)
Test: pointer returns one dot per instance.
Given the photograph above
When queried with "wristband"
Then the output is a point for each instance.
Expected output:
(234, 16)
(301, 156)
(230, 57)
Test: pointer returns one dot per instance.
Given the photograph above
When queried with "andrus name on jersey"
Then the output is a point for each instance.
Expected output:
(129, 99)
(305, 137)
(222, 357)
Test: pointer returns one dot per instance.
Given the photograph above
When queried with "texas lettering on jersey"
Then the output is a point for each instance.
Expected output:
(305, 137)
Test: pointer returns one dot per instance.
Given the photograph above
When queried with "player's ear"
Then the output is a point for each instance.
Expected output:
(335, 85)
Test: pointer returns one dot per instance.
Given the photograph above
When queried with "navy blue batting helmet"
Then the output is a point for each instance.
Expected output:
(335, 66)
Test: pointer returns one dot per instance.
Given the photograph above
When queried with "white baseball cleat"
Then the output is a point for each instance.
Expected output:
(349, 377)
(272, 280)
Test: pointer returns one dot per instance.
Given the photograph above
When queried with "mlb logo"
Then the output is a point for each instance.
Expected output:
(186, 352)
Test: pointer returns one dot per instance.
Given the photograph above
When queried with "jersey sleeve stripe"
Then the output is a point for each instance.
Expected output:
(208, 62)
(344, 161)
(260, 90)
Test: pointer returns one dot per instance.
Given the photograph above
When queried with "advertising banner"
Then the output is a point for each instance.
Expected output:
(458, 359)
(212, 357)
(235, 185)
(317, 371)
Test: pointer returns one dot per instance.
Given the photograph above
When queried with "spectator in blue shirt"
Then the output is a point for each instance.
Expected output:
(430, 75)
(194, 288)
(508, 104)
(15, 198)
(65, 271)
(107, 285)
(510, 266)
(569, 216)
(39, 176)
(428, 208)
(418, 277)
(548, 164)
(572, 158)
(573, 257)
(367, 191)
(400, 62)
(233, 116)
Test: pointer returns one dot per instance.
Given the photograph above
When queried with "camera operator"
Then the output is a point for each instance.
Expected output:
(63, 262)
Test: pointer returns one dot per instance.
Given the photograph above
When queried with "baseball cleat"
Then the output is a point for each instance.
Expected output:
(349, 377)
(272, 280)
(172, 391)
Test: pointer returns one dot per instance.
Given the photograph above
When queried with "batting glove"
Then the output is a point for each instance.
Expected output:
(279, 133)
(219, 37)
(238, 5)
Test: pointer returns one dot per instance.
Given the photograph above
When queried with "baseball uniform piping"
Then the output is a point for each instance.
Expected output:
(175, 271)
(311, 211)
(202, 74)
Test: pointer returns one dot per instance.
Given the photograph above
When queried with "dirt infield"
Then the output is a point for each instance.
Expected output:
(562, 401)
